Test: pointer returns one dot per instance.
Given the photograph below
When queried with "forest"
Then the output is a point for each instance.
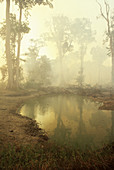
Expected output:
(56, 84)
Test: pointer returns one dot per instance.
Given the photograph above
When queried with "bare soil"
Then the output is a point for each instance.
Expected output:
(15, 128)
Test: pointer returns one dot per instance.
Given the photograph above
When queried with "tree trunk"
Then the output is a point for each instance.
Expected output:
(8, 56)
(81, 69)
(112, 72)
(61, 74)
(18, 50)
(13, 59)
(112, 54)
(82, 53)
(62, 80)
(111, 38)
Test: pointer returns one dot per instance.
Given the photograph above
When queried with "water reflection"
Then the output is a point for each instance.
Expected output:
(61, 132)
(72, 120)
(83, 139)
(112, 127)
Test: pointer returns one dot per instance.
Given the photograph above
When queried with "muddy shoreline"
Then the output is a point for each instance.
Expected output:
(14, 128)
(18, 129)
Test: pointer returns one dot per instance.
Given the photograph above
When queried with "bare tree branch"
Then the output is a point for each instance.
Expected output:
(101, 11)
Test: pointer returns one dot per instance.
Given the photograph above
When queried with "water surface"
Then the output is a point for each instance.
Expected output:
(72, 120)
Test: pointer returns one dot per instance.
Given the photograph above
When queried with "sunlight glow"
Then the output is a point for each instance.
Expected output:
(43, 51)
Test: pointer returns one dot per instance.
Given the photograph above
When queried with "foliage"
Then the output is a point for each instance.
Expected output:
(28, 4)
(40, 73)
(59, 33)
(9, 32)
(3, 70)
(80, 79)
(50, 156)
(45, 2)
(98, 55)
(15, 28)
(81, 29)
(38, 68)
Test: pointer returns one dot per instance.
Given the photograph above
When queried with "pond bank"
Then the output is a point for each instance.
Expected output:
(16, 128)
(21, 136)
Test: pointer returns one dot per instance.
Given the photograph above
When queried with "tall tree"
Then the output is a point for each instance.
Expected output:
(15, 28)
(19, 44)
(110, 34)
(98, 56)
(22, 4)
(26, 5)
(81, 30)
(59, 33)
(7, 46)
(8, 56)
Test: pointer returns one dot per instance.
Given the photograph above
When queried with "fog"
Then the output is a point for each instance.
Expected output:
(56, 84)
(60, 46)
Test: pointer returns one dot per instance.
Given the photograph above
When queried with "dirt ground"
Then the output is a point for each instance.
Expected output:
(17, 129)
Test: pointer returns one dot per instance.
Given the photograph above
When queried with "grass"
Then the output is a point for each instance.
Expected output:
(46, 156)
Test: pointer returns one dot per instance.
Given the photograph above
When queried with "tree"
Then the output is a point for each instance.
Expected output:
(81, 30)
(110, 35)
(22, 4)
(26, 4)
(8, 56)
(98, 56)
(44, 70)
(38, 68)
(7, 45)
(44, 2)
(3, 70)
(59, 33)
(15, 28)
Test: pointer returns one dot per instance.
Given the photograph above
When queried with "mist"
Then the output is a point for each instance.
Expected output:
(60, 38)
(56, 84)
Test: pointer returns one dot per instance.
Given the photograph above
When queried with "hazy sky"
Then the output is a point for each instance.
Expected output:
(72, 9)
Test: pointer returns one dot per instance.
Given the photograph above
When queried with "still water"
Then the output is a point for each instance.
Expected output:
(72, 120)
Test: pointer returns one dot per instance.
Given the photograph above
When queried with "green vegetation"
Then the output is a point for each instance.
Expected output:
(49, 156)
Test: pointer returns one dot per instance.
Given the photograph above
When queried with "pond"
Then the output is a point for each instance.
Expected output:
(72, 120)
